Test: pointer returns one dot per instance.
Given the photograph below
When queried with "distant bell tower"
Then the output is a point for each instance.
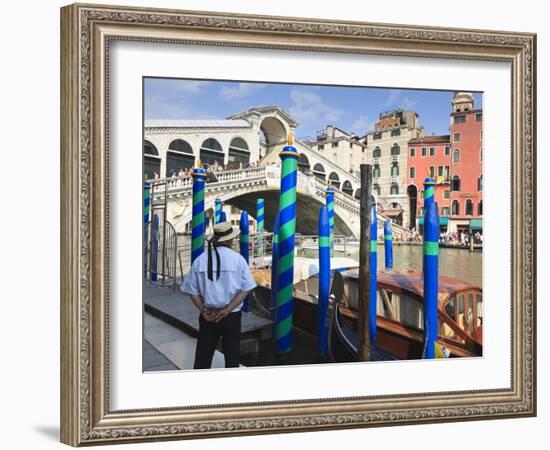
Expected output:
(463, 102)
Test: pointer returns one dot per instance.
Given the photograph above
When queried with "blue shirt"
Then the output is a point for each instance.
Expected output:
(235, 277)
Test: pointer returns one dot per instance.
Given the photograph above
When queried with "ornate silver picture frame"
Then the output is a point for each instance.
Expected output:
(87, 32)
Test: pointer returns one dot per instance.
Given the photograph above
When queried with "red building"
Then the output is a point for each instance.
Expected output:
(466, 164)
(429, 156)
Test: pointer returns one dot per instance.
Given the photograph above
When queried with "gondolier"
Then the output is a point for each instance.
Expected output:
(218, 283)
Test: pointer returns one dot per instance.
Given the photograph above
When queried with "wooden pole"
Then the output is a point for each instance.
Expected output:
(364, 263)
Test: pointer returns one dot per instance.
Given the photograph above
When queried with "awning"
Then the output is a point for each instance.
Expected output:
(476, 224)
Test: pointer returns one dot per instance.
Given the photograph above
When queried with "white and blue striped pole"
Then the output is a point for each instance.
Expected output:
(260, 226)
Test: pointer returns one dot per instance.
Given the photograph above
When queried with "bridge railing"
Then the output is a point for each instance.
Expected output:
(186, 181)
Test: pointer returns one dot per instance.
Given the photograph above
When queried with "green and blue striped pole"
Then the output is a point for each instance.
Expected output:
(197, 231)
(330, 208)
(431, 256)
(287, 228)
(260, 226)
(146, 214)
(429, 192)
(274, 260)
(324, 283)
(373, 288)
(388, 244)
(217, 210)
(244, 241)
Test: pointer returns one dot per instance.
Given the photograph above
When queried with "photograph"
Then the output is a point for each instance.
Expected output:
(252, 197)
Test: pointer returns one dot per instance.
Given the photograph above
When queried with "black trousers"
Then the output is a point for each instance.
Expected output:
(229, 329)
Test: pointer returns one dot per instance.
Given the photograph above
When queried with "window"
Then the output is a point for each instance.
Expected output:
(450, 308)
(481, 135)
(432, 171)
(395, 150)
(238, 151)
(469, 208)
(179, 145)
(447, 172)
(480, 183)
(394, 189)
(376, 171)
(335, 144)
(439, 171)
(456, 137)
(446, 194)
(456, 208)
(412, 152)
(445, 211)
(319, 171)
(479, 116)
(411, 172)
(455, 184)
(432, 151)
(447, 150)
(377, 135)
(480, 208)
(456, 156)
(481, 154)
(351, 145)
(460, 119)
(395, 169)
(321, 147)
(377, 153)
(423, 151)
(396, 132)
(376, 188)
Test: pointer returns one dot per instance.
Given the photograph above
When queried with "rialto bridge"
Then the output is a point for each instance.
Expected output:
(252, 137)
(241, 188)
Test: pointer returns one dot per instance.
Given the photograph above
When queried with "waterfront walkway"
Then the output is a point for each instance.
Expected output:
(172, 322)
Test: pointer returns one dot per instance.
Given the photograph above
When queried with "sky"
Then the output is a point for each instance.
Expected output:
(353, 109)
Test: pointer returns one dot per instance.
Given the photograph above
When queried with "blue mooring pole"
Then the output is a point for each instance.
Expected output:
(324, 283)
(223, 216)
(155, 249)
(388, 244)
(274, 259)
(373, 274)
(431, 256)
(146, 230)
(217, 210)
(244, 241)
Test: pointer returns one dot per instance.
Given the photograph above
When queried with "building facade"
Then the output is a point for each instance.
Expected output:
(429, 156)
(344, 149)
(455, 162)
(386, 149)
(466, 164)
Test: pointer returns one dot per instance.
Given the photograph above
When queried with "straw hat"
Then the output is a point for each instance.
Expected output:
(223, 231)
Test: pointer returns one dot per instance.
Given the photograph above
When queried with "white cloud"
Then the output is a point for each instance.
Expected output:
(309, 106)
(361, 125)
(407, 103)
(393, 97)
(240, 91)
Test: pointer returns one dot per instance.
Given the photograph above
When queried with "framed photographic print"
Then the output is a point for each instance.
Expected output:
(234, 187)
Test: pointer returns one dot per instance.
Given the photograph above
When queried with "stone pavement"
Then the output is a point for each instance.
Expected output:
(167, 348)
